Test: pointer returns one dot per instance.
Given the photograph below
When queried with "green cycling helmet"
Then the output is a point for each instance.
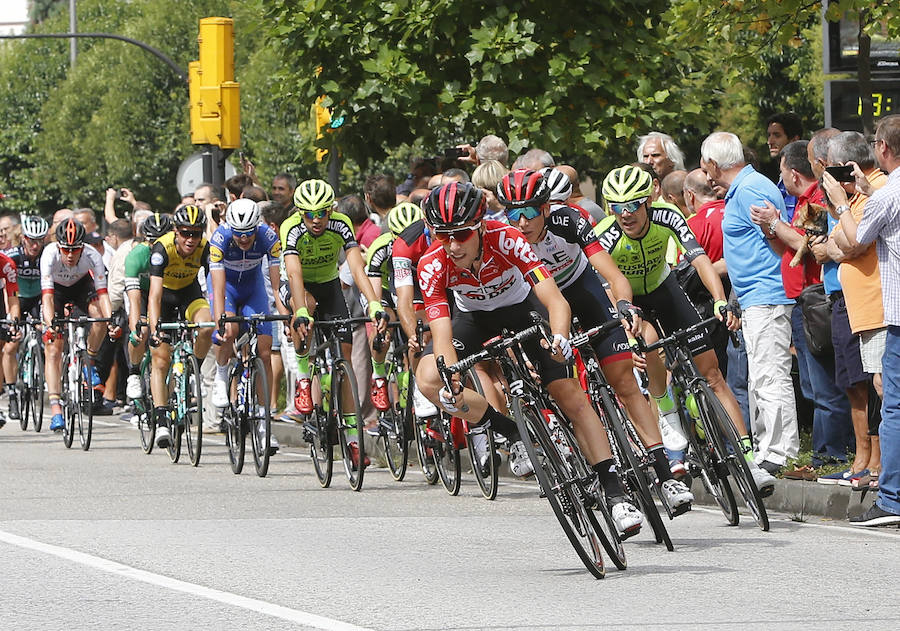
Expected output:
(402, 216)
(627, 183)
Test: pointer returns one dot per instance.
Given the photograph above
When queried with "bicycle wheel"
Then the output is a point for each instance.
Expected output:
(259, 421)
(84, 412)
(143, 410)
(174, 446)
(480, 442)
(392, 429)
(23, 375)
(626, 449)
(36, 389)
(446, 454)
(232, 416)
(704, 463)
(349, 421)
(69, 400)
(561, 489)
(713, 414)
(425, 449)
(192, 418)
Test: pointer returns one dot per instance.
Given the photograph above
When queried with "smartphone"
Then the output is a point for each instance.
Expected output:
(455, 152)
(842, 173)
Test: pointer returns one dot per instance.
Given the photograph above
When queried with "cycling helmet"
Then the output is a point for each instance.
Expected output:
(189, 215)
(34, 227)
(243, 215)
(156, 225)
(522, 188)
(313, 195)
(627, 183)
(70, 233)
(454, 205)
(559, 184)
(402, 216)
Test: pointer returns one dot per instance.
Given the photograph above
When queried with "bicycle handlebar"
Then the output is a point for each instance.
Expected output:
(678, 337)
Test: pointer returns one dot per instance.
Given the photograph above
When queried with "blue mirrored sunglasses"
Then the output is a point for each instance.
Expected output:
(631, 207)
(243, 234)
(529, 212)
(312, 215)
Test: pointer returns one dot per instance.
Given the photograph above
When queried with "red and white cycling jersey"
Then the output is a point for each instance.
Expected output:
(9, 276)
(55, 272)
(508, 270)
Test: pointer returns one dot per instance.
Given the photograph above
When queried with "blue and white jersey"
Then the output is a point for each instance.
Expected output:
(243, 266)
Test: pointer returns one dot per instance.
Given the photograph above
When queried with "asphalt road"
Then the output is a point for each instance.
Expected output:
(114, 539)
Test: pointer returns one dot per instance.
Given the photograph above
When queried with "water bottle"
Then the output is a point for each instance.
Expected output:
(553, 425)
(73, 376)
(690, 403)
(325, 382)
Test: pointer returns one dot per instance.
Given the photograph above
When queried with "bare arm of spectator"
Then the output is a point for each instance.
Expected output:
(471, 156)
(768, 217)
(249, 169)
(109, 208)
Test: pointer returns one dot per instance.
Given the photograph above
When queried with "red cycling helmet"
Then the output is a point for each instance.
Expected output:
(454, 205)
(523, 187)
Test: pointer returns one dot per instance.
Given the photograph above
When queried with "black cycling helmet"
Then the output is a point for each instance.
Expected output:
(156, 225)
(523, 187)
(454, 205)
(70, 233)
(189, 215)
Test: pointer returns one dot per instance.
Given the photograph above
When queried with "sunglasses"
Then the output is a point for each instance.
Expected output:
(460, 236)
(630, 207)
(190, 234)
(312, 215)
(245, 234)
(528, 212)
(66, 250)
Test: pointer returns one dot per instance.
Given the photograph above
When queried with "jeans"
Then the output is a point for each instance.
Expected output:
(889, 431)
(737, 375)
(832, 433)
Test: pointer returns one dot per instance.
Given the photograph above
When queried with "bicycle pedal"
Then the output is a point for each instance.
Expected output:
(681, 510)
(628, 534)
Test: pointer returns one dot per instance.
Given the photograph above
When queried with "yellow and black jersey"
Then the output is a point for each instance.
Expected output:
(177, 272)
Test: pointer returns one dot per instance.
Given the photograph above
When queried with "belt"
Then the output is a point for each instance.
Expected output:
(836, 294)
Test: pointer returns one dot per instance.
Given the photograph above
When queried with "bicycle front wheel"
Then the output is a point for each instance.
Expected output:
(559, 487)
(446, 455)
(143, 410)
(482, 450)
(232, 418)
(84, 412)
(70, 401)
(259, 420)
(172, 418)
(392, 429)
(345, 407)
(192, 418)
(704, 463)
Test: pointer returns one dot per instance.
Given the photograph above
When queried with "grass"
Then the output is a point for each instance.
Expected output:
(804, 457)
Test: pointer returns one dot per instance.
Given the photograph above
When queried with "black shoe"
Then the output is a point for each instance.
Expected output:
(14, 406)
(770, 467)
(876, 516)
(104, 407)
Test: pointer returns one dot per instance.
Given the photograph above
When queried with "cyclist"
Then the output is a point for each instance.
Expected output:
(27, 258)
(137, 287)
(381, 275)
(496, 281)
(9, 335)
(565, 242)
(176, 259)
(71, 273)
(313, 239)
(237, 251)
(636, 236)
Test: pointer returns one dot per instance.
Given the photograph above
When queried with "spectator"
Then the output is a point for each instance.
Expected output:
(488, 148)
(236, 184)
(881, 223)
(454, 175)
(283, 186)
(782, 129)
(534, 159)
(7, 223)
(754, 269)
(420, 171)
(58, 216)
(256, 193)
(365, 229)
(88, 219)
(660, 151)
(210, 199)
(672, 189)
(487, 176)
(577, 199)
(381, 195)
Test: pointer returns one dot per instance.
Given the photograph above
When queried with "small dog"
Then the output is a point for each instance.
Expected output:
(813, 218)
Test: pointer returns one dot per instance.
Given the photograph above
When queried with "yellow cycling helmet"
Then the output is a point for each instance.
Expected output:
(627, 183)
(313, 195)
(402, 216)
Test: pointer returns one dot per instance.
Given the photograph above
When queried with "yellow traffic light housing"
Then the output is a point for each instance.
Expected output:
(214, 94)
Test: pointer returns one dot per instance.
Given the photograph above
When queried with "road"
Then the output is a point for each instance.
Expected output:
(113, 538)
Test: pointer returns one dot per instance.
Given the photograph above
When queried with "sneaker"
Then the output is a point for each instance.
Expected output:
(673, 435)
(57, 423)
(876, 516)
(424, 408)
(162, 437)
(676, 494)
(678, 469)
(519, 462)
(133, 387)
(354, 456)
(303, 396)
(13, 406)
(627, 518)
(852, 481)
(220, 394)
(835, 478)
(763, 480)
(104, 407)
(772, 467)
(380, 394)
(273, 445)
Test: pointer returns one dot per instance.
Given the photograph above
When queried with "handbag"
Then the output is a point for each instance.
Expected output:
(816, 309)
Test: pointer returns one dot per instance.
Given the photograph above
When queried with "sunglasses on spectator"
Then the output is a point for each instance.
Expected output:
(244, 234)
(190, 234)
(460, 236)
(529, 212)
(312, 215)
(631, 207)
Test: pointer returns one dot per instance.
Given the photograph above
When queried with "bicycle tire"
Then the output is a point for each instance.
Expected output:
(232, 417)
(67, 400)
(85, 409)
(192, 420)
(259, 424)
(703, 461)
(341, 373)
(637, 483)
(446, 456)
(22, 389)
(489, 482)
(392, 430)
(36, 391)
(143, 410)
(423, 444)
(174, 446)
(579, 523)
(715, 413)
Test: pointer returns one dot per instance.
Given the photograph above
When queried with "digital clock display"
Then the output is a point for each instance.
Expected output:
(844, 104)
(882, 104)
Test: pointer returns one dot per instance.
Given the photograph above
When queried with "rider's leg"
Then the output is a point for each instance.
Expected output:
(708, 365)
(203, 338)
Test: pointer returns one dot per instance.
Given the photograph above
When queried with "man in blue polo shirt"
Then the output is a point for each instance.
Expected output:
(755, 272)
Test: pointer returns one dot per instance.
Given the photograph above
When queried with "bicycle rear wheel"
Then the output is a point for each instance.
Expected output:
(85, 410)
(192, 419)
(392, 430)
(349, 421)
(259, 421)
(446, 455)
(35, 392)
(425, 449)
(559, 487)
(729, 449)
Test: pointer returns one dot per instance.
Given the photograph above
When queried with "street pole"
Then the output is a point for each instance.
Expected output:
(73, 50)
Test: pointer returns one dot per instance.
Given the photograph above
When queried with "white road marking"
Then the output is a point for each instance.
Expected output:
(235, 600)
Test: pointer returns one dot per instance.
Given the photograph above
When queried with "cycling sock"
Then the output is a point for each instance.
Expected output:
(55, 406)
(500, 424)
(10, 389)
(661, 464)
(221, 372)
(352, 434)
(747, 448)
(159, 413)
(379, 369)
(609, 480)
(665, 403)
(134, 370)
(303, 366)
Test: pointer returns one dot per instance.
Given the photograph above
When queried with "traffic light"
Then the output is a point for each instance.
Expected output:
(214, 94)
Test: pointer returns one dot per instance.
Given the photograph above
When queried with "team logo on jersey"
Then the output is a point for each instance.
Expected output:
(157, 258)
(518, 247)
(433, 313)
(428, 271)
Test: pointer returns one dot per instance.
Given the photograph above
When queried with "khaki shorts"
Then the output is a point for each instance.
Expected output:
(871, 349)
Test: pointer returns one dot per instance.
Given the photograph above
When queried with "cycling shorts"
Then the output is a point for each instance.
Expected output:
(591, 305)
(81, 294)
(669, 308)
(246, 299)
(330, 303)
(182, 302)
(30, 305)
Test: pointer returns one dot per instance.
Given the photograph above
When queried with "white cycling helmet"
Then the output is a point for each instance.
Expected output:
(34, 227)
(243, 215)
(559, 183)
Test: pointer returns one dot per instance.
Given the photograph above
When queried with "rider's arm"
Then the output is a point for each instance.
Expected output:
(557, 307)
(406, 310)
(47, 307)
(442, 339)
(355, 261)
(711, 279)
(218, 290)
(134, 308)
(607, 268)
(154, 301)
(12, 306)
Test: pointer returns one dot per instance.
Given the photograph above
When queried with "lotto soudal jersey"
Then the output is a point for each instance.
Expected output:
(29, 271)
(8, 275)
(242, 266)
(508, 270)
(55, 272)
(567, 242)
(406, 252)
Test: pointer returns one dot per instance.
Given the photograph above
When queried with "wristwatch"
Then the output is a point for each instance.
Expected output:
(772, 225)
(840, 210)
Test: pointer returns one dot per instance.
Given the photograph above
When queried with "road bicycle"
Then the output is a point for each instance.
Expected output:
(143, 405)
(30, 382)
(565, 478)
(395, 424)
(335, 418)
(248, 387)
(184, 410)
(715, 452)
